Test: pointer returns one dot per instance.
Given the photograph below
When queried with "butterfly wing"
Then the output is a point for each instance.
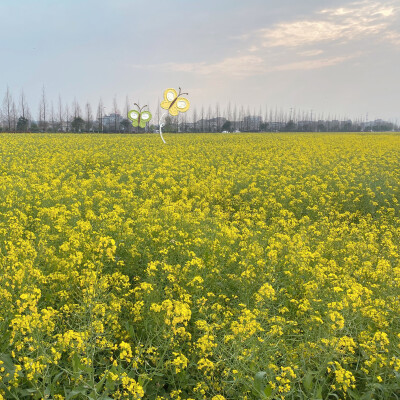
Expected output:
(145, 117)
(169, 96)
(180, 105)
(174, 110)
(133, 115)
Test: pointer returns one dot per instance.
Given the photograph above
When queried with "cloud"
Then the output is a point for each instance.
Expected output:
(310, 53)
(313, 64)
(244, 66)
(235, 66)
(392, 37)
(344, 24)
(362, 9)
(271, 49)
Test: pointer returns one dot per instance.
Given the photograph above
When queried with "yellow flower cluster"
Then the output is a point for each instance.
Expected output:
(343, 379)
(218, 267)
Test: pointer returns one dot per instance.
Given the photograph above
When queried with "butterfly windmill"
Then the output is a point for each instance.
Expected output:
(174, 103)
(139, 117)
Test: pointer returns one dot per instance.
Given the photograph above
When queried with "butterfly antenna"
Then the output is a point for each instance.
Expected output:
(180, 92)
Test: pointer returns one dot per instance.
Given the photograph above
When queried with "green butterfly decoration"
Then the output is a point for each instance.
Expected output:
(138, 117)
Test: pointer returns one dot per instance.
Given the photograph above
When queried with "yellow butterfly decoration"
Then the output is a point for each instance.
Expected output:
(174, 103)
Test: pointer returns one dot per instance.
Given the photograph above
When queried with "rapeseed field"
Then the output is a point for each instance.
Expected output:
(248, 266)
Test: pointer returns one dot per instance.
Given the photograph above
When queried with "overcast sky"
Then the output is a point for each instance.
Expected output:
(332, 57)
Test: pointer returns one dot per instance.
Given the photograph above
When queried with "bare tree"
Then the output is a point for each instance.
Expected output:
(100, 108)
(43, 111)
(282, 118)
(241, 118)
(147, 127)
(40, 116)
(23, 105)
(229, 112)
(270, 117)
(194, 120)
(266, 115)
(29, 118)
(7, 109)
(217, 115)
(185, 128)
(14, 117)
(235, 118)
(67, 118)
(52, 118)
(89, 117)
(209, 114)
(127, 109)
(127, 106)
(202, 118)
(329, 122)
(158, 113)
(76, 108)
(116, 113)
(60, 114)
(248, 119)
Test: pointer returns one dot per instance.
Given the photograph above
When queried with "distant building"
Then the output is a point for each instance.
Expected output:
(276, 126)
(212, 125)
(378, 125)
(252, 122)
(302, 124)
(112, 121)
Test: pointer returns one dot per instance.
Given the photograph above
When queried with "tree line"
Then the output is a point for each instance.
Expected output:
(16, 116)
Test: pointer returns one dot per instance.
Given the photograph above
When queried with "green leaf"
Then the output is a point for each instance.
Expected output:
(76, 363)
(26, 392)
(130, 329)
(319, 392)
(260, 384)
(79, 367)
(353, 393)
(110, 385)
(367, 396)
(308, 381)
(104, 397)
(157, 374)
(8, 364)
(100, 384)
(77, 391)
(29, 391)
(57, 377)
(268, 390)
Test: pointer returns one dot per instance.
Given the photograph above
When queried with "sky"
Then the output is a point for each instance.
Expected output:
(334, 58)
